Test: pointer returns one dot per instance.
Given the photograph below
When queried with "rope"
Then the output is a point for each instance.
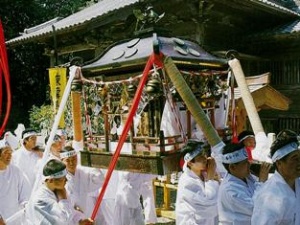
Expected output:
(233, 112)
(131, 79)
(87, 116)
(172, 104)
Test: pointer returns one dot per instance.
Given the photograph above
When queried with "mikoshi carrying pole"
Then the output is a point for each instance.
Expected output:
(261, 151)
(73, 71)
(199, 115)
(191, 102)
(246, 95)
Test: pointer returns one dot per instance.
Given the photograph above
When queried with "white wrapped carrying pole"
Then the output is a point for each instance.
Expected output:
(74, 70)
(246, 95)
(261, 150)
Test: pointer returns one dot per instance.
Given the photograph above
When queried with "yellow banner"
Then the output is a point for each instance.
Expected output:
(58, 80)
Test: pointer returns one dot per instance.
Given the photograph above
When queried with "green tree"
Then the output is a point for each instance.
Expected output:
(28, 65)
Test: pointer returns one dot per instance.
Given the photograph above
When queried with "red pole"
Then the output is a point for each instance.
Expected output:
(5, 70)
(1, 89)
(152, 59)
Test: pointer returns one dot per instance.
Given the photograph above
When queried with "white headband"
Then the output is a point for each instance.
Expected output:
(235, 157)
(28, 134)
(61, 132)
(57, 175)
(190, 155)
(247, 136)
(285, 150)
(68, 154)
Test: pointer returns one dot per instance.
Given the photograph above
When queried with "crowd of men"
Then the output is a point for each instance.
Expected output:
(240, 197)
(66, 192)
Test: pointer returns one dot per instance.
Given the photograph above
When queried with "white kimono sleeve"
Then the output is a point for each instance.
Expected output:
(203, 203)
(50, 212)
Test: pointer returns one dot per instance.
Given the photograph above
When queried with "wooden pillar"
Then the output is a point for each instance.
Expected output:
(167, 197)
(76, 91)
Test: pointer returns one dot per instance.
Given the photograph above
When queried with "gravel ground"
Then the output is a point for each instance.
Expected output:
(165, 221)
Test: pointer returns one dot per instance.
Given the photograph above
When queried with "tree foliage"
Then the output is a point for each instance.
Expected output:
(28, 65)
(41, 117)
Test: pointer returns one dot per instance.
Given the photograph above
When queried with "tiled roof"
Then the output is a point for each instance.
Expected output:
(291, 6)
(77, 19)
(104, 7)
(288, 28)
(280, 31)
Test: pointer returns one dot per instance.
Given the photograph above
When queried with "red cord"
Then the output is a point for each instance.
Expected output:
(233, 113)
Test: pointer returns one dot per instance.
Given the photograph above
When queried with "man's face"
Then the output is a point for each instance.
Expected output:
(199, 165)
(56, 147)
(31, 142)
(250, 142)
(58, 183)
(71, 163)
(241, 169)
(5, 155)
(289, 168)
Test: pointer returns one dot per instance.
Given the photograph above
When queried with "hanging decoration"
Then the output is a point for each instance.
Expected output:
(118, 95)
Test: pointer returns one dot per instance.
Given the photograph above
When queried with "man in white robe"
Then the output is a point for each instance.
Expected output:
(128, 208)
(105, 214)
(14, 185)
(235, 203)
(81, 180)
(278, 201)
(50, 205)
(55, 149)
(26, 158)
(196, 202)
(147, 193)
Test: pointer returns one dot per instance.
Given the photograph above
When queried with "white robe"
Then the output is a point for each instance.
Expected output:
(26, 161)
(14, 191)
(276, 203)
(128, 209)
(105, 214)
(235, 203)
(84, 181)
(147, 193)
(196, 202)
(44, 209)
